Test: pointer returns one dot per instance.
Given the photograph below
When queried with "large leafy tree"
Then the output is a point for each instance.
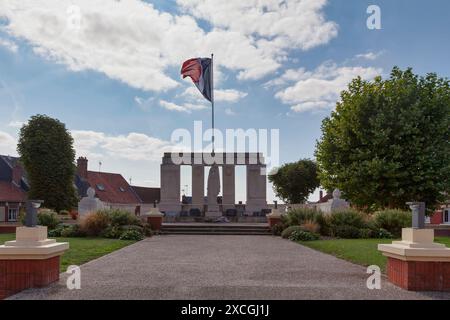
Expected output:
(294, 182)
(388, 141)
(46, 150)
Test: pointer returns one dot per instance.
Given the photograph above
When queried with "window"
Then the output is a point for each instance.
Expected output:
(101, 187)
(446, 216)
(12, 214)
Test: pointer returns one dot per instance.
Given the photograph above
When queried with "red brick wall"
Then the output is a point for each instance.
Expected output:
(437, 217)
(7, 229)
(419, 275)
(18, 275)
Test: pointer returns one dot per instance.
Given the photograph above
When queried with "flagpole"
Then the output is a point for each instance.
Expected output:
(212, 99)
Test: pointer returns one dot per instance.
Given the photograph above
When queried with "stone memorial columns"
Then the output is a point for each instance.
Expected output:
(228, 182)
(256, 188)
(198, 186)
(170, 188)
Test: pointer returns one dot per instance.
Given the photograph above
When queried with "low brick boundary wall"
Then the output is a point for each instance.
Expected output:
(8, 229)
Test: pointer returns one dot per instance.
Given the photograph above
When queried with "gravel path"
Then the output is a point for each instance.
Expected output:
(221, 267)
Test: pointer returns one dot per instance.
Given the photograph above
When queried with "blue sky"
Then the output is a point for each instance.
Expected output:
(114, 79)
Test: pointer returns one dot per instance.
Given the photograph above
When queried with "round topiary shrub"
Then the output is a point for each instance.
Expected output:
(300, 235)
(132, 235)
(48, 218)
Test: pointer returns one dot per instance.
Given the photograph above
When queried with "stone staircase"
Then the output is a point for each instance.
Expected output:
(257, 229)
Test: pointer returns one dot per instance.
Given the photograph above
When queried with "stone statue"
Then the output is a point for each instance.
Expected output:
(89, 203)
(213, 190)
(213, 184)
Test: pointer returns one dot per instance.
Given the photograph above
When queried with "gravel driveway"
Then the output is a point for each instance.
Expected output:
(221, 267)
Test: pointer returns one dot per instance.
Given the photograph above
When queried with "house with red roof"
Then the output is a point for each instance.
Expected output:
(113, 189)
(13, 188)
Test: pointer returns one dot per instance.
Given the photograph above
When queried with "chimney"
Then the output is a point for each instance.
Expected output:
(82, 167)
(17, 173)
(320, 195)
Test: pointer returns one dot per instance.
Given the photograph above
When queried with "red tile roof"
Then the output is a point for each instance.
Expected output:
(116, 188)
(148, 195)
(11, 193)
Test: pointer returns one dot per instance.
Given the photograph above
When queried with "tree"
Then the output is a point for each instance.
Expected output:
(388, 141)
(294, 182)
(46, 151)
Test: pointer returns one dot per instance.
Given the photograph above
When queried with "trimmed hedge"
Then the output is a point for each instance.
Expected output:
(300, 235)
(393, 221)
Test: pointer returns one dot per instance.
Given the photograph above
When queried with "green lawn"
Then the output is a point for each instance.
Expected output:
(360, 251)
(82, 250)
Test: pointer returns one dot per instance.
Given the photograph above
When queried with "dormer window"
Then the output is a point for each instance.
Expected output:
(122, 189)
(100, 187)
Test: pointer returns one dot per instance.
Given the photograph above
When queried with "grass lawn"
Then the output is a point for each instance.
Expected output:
(359, 251)
(82, 250)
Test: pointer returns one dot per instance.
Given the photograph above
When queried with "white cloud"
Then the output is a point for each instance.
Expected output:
(280, 24)
(9, 45)
(288, 76)
(220, 95)
(7, 144)
(133, 146)
(133, 42)
(187, 107)
(320, 89)
(369, 55)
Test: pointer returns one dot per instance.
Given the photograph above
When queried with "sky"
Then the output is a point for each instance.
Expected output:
(110, 70)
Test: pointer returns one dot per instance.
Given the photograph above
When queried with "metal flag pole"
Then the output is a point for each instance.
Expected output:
(212, 98)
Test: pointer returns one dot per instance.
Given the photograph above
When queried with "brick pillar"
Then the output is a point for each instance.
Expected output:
(419, 275)
(18, 275)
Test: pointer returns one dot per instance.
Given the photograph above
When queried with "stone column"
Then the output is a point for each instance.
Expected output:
(256, 188)
(198, 186)
(170, 188)
(228, 182)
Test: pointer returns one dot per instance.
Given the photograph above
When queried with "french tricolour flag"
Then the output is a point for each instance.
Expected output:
(199, 69)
